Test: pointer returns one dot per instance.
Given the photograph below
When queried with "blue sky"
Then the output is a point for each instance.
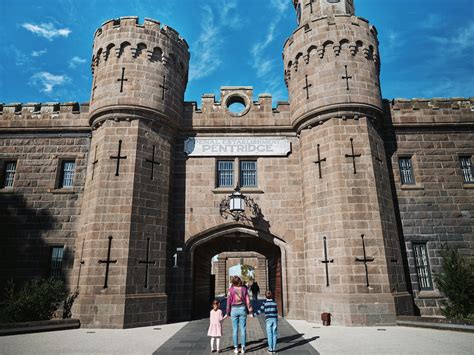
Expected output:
(427, 46)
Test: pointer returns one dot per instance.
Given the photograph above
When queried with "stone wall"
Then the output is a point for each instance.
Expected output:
(341, 204)
(439, 208)
(124, 203)
(35, 214)
(196, 197)
(152, 59)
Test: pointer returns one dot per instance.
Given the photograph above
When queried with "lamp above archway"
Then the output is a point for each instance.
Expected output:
(236, 204)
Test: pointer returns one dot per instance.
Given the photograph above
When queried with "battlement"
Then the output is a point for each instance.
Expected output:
(436, 111)
(339, 41)
(455, 103)
(38, 108)
(152, 41)
(44, 115)
(149, 24)
(140, 65)
(256, 114)
(336, 20)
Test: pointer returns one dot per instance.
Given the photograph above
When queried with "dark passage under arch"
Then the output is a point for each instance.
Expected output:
(233, 241)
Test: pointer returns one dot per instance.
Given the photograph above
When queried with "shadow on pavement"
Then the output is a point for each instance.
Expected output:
(294, 341)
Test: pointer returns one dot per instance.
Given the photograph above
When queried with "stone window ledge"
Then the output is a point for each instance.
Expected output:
(468, 186)
(429, 294)
(244, 190)
(64, 191)
(7, 190)
(412, 187)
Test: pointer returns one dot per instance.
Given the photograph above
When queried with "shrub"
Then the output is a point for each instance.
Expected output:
(37, 300)
(456, 281)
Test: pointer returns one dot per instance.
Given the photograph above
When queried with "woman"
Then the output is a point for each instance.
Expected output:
(238, 303)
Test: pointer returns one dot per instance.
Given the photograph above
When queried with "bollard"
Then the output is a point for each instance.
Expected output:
(326, 318)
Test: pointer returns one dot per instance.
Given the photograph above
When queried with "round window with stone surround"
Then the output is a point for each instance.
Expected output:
(237, 105)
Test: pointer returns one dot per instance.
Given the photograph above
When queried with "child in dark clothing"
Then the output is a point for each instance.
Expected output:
(269, 307)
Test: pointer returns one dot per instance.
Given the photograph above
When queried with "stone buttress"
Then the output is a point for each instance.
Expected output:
(332, 68)
(139, 78)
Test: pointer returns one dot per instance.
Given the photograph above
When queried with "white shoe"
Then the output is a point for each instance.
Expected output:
(242, 351)
(236, 351)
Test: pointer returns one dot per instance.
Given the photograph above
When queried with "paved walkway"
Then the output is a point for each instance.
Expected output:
(193, 339)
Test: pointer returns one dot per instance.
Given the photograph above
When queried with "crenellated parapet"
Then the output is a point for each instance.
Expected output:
(44, 115)
(258, 114)
(423, 112)
(147, 47)
(335, 44)
(332, 67)
(138, 68)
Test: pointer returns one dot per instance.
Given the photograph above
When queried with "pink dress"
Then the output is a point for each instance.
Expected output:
(215, 328)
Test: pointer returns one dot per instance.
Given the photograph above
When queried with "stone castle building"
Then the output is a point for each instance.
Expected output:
(349, 197)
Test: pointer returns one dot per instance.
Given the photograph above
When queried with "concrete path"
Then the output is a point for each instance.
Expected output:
(135, 341)
(385, 340)
(158, 339)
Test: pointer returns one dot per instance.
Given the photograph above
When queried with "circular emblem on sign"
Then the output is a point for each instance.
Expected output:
(237, 104)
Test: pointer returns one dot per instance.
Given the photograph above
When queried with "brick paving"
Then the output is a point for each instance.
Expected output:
(193, 339)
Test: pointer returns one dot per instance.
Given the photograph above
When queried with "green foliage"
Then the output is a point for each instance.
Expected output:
(457, 283)
(247, 272)
(37, 300)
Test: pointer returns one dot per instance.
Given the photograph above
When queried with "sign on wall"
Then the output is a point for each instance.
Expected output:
(241, 146)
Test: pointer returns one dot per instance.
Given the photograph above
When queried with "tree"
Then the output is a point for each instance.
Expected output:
(247, 272)
(456, 281)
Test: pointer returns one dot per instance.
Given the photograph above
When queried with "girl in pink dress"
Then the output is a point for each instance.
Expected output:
(215, 326)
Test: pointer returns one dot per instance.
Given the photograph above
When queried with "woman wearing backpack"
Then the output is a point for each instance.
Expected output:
(238, 305)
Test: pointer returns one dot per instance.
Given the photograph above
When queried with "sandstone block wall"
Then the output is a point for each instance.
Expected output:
(341, 206)
(35, 214)
(148, 55)
(439, 208)
(196, 197)
(131, 208)
(317, 55)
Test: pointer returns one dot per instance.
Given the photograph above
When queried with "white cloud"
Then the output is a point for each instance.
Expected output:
(229, 15)
(458, 42)
(206, 58)
(38, 53)
(280, 5)
(217, 19)
(46, 81)
(431, 21)
(21, 59)
(75, 61)
(393, 42)
(47, 30)
(263, 64)
(447, 87)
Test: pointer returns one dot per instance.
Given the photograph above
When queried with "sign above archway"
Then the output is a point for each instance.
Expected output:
(241, 146)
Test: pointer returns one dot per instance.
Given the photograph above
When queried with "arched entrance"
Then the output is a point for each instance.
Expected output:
(234, 239)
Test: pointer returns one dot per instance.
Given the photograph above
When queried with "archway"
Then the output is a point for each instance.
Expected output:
(234, 239)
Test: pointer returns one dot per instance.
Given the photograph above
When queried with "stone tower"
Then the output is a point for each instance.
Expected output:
(139, 78)
(332, 71)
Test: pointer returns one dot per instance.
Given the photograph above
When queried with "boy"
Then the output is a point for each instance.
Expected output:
(269, 307)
